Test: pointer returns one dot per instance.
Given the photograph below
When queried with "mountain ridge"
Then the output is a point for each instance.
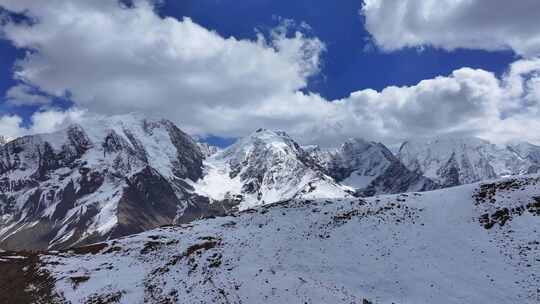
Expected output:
(266, 167)
(370, 168)
(473, 243)
(98, 179)
(454, 160)
(108, 177)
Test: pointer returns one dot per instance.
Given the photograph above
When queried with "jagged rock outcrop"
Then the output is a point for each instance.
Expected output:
(208, 150)
(370, 168)
(266, 167)
(100, 179)
(454, 161)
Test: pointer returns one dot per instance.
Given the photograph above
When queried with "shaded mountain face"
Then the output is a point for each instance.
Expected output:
(100, 179)
(470, 244)
(528, 152)
(207, 150)
(454, 161)
(266, 167)
(370, 168)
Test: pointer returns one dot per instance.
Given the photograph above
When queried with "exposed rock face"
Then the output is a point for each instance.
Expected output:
(100, 179)
(454, 161)
(266, 167)
(370, 168)
(208, 150)
(529, 152)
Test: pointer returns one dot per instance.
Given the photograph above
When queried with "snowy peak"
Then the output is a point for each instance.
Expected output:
(265, 149)
(266, 167)
(527, 151)
(264, 142)
(99, 178)
(158, 143)
(453, 161)
(370, 168)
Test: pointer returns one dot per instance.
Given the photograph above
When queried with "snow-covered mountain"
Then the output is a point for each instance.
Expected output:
(455, 160)
(207, 150)
(370, 168)
(476, 243)
(265, 167)
(528, 152)
(105, 178)
(100, 179)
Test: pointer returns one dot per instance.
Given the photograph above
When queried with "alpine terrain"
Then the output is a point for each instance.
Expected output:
(370, 168)
(100, 179)
(127, 209)
(476, 243)
(460, 160)
(266, 167)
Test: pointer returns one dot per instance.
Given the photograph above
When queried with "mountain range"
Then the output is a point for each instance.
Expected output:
(127, 209)
(452, 161)
(105, 178)
(369, 168)
(97, 180)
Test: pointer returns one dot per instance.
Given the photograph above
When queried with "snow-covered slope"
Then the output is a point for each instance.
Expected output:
(454, 160)
(370, 168)
(102, 178)
(265, 167)
(476, 243)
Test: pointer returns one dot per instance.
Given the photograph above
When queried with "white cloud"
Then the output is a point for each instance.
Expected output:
(451, 24)
(23, 94)
(471, 102)
(47, 121)
(113, 59)
(44, 121)
(10, 126)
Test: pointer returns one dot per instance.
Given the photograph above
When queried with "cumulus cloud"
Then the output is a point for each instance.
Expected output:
(43, 121)
(23, 94)
(10, 126)
(452, 24)
(471, 102)
(110, 58)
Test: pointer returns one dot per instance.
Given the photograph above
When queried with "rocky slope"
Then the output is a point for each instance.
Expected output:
(207, 150)
(454, 161)
(476, 243)
(370, 168)
(263, 168)
(100, 179)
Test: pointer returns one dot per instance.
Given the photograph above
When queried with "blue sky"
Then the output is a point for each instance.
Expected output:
(344, 51)
(347, 66)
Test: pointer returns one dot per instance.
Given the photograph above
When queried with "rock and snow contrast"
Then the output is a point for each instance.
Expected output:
(455, 161)
(207, 150)
(100, 179)
(476, 243)
(370, 168)
(266, 167)
(104, 178)
(108, 177)
(124, 210)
